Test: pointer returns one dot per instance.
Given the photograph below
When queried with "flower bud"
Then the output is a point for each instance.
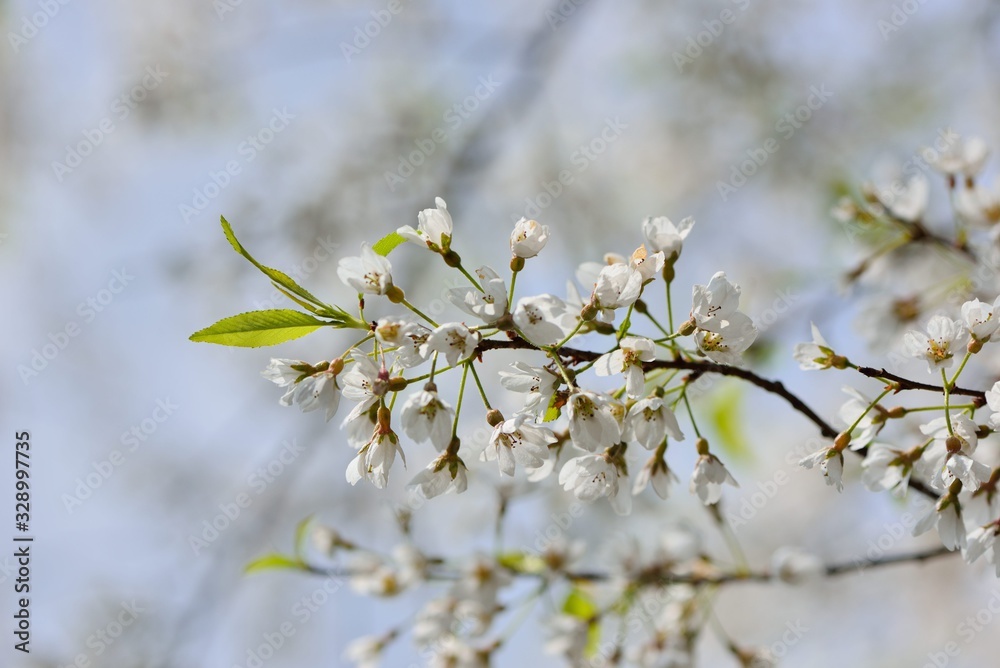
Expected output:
(451, 258)
(842, 441)
(395, 294)
(687, 328)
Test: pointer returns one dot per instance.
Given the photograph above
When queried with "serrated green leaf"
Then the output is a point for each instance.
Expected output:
(259, 328)
(388, 243)
(272, 562)
(725, 409)
(275, 275)
(301, 536)
(579, 604)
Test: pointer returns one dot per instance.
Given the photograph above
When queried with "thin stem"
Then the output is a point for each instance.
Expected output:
(510, 296)
(670, 308)
(471, 279)
(579, 326)
(461, 396)
(479, 384)
(850, 430)
(563, 370)
(947, 401)
(938, 408)
(656, 323)
(626, 324)
(694, 423)
(423, 315)
(742, 565)
(961, 367)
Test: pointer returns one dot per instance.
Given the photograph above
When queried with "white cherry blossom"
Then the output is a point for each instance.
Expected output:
(627, 359)
(426, 417)
(714, 304)
(618, 286)
(946, 515)
(816, 355)
(591, 477)
(528, 238)
(939, 345)
(538, 384)
(983, 540)
(405, 337)
(907, 202)
(369, 274)
(319, 389)
(709, 476)
(453, 340)
(961, 156)
(375, 459)
(434, 228)
(729, 340)
(655, 473)
(665, 236)
(490, 304)
(519, 441)
(647, 264)
(447, 473)
(592, 423)
(649, 421)
(830, 462)
(981, 320)
(544, 319)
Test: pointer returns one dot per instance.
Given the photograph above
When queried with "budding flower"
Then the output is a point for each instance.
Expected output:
(434, 228)
(528, 238)
(368, 274)
(663, 235)
(817, 355)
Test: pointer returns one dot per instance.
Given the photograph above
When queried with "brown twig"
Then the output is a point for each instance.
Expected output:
(700, 367)
(979, 397)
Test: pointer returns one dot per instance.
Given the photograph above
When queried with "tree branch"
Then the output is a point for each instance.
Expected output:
(772, 386)
(979, 398)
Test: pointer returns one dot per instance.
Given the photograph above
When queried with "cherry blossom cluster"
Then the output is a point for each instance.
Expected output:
(946, 321)
(559, 417)
(600, 376)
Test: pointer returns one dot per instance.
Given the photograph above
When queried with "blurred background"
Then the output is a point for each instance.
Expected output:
(312, 125)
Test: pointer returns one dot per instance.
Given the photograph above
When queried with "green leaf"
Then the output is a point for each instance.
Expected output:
(725, 409)
(579, 604)
(272, 562)
(552, 413)
(278, 277)
(388, 243)
(259, 328)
